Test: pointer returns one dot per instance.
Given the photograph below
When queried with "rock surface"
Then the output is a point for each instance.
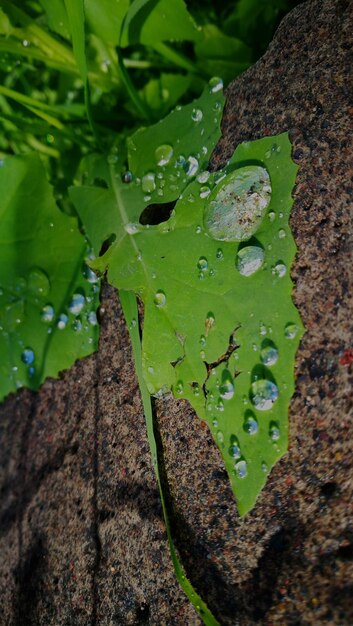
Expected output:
(82, 540)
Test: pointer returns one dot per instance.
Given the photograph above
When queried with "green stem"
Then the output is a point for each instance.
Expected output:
(177, 58)
(129, 306)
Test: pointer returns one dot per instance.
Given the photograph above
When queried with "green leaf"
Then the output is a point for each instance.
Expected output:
(161, 94)
(42, 257)
(220, 328)
(221, 55)
(105, 18)
(57, 17)
(151, 21)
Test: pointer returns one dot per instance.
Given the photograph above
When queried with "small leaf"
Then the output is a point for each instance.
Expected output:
(48, 295)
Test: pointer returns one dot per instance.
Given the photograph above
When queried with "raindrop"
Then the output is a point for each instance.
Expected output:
(132, 228)
(202, 264)
(220, 437)
(38, 282)
(92, 318)
(149, 182)
(264, 467)
(163, 154)
(263, 329)
(160, 299)
(198, 230)
(220, 405)
(76, 303)
(77, 325)
(235, 209)
(272, 216)
(216, 84)
(219, 254)
(290, 331)
(274, 431)
(280, 270)
(203, 177)
(209, 322)
(196, 389)
(269, 355)
(179, 387)
(204, 192)
(215, 422)
(251, 426)
(89, 274)
(281, 233)
(62, 321)
(226, 389)
(234, 449)
(27, 356)
(196, 115)
(126, 177)
(47, 313)
(249, 260)
(192, 165)
(203, 340)
(263, 394)
(241, 469)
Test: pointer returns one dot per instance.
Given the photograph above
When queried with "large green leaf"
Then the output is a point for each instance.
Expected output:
(48, 295)
(221, 55)
(105, 18)
(220, 328)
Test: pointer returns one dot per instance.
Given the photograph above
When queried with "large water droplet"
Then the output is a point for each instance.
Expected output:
(263, 394)
(216, 84)
(269, 355)
(202, 264)
(163, 154)
(226, 389)
(132, 228)
(203, 176)
(241, 468)
(47, 313)
(160, 299)
(62, 321)
(236, 208)
(192, 165)
(196, 115)
(27, 356)
(38, 282)
(126, 177)
(251, 425)
(249, 260)
(149, 182)
(290, 331)
(280, 270)
(204, 192)
(77, 303)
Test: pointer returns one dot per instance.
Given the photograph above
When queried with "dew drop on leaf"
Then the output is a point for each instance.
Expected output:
(132, 228)
(269, 355)
(251, 425)
(89, 274)
(226, 389)
(47, 313)
(220, 437)
(241, 468)
(77, 303)
(149, 182)
(216, 84)
(281, 233)
(160, 299)
(192, 165)
(196, 115)
(203, 176)
(272, 216)
(92, 318)
(234, 449)
(126, 177)
(236, 208)
(77, 325)
(280, 270)
(27, 356)
(202, 264)
(38, 282)
(163, 154)
(290, 331)
(249, 260)
(274, 431)
(204, 192)
(263, 394)
(62, 321)
(179, 387)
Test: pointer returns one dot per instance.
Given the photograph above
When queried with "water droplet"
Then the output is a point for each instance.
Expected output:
(126, 177)
(220, 405)
(251, 426)
(202, 264)
(236, 208)
(263, 329)
(269, 355)
(149, 182)
(234, 449)
(263, 394)
(219, 254)
(38, 282)
(27, 356)
(209, 322)
(203, 341)
(163, 154)
(77, 325)
(132, 228)
(89, 274)
(77, 303)
(47, 313)
(62, 321)
(275, 432)
(272, 216)
(249, 260)
(216, 84)
(196, 115)
(290, 331)
(92, 318)
(264, 467)
(160, 299)
(215, 422)
(196, 389)
(281, 233)
(203, 177)
(220, 437)
(241, 468)
(280, 270)
(226, 389)
(179, 387)
(204, 192)
(191, 166)
(26, 43)
(198, 230)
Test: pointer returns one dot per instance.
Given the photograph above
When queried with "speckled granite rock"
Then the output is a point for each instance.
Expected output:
(82, 540)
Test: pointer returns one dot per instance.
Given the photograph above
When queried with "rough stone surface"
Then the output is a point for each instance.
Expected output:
(82, 540)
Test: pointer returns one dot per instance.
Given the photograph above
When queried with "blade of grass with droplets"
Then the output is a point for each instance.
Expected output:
(129, 306)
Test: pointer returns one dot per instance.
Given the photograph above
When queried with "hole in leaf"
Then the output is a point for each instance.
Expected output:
(106, 244)
(155, 214)
(100, 182)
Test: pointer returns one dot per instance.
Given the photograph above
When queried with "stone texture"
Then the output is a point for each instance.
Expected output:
(82, 540)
